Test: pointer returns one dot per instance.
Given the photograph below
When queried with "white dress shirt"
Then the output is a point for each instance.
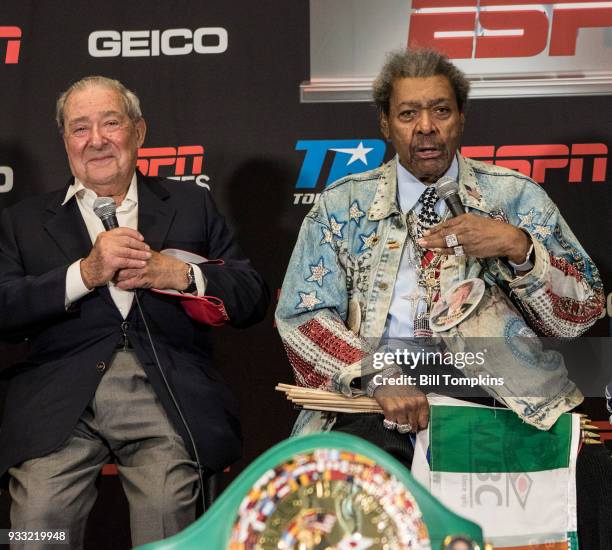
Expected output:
(127, 216)
(405, 304)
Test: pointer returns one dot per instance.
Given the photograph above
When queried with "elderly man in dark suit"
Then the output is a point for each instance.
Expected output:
(115, 372)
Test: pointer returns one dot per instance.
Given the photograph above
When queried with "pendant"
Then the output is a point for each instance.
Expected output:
(421, 326)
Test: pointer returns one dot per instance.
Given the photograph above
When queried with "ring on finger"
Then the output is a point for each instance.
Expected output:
(451, 240)
(459, 250)
(389, 424)
(404, 428)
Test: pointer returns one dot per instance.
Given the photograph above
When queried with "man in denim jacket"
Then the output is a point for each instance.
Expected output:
(352, 278)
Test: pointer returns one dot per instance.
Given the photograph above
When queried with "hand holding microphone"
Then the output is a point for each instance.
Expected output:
(115, 249)
(473, 235)
(121, 255)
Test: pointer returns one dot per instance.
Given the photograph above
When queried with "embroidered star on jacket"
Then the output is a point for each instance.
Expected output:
(308, 300)
(355, 213)
(527, 219)
(541, 231)
(318, 273)
(336, 227)
(328, 237)
(368, 241)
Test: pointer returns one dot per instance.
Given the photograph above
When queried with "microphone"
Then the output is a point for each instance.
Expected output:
(448, 190)
(105, 208)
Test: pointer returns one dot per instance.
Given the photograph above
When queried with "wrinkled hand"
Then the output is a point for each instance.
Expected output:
(119, 248)
(160, 271)
(480, 237)
(404, 405)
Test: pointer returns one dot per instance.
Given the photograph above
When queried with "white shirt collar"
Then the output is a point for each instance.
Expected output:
(409, 188)
(88, 196)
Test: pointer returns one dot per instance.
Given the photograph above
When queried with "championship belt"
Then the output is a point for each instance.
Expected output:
(328, 491)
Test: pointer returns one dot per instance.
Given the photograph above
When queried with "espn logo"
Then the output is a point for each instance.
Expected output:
(466, 29)
(13, 34)
(535, 160)
(6, 179)
(150, 159)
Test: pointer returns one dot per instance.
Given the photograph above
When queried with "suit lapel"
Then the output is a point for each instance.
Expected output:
(155, 215)
(66, 227)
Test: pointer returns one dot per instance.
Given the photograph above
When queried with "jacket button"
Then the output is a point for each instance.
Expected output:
(101, 366)
(383, 286)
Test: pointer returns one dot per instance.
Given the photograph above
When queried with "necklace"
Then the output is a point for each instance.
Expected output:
(428, 282)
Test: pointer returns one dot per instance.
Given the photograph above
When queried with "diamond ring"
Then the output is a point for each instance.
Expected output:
(404, 428)
(389, 424)
(451, 240)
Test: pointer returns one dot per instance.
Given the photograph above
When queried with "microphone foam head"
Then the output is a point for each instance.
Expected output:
(104, 207)
(446, 186)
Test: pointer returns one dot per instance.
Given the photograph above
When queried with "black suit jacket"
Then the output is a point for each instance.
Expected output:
(47, 393)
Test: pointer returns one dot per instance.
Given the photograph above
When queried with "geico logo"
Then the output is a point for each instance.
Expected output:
(535, 160)
(466, 29)
(205, 40)
(6, 179)
(12, 46)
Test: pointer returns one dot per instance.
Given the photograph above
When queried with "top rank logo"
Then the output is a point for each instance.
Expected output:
(13, 34)
(466, 29)
(350, 156)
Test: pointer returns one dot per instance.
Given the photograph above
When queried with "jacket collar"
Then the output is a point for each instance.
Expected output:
(67, 228)
(77, 188)
(469, 189)
(385, 199)
(155, 213)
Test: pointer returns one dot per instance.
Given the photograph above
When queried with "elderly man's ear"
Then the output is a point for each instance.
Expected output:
(141, 131)
(384, 126)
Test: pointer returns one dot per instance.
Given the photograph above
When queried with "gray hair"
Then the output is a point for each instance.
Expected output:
(420, 63)
(129, 98)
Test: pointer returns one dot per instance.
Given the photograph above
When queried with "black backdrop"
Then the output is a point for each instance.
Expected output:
(242, 107)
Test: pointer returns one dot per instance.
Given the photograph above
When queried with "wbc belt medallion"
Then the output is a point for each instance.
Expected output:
(329, 499)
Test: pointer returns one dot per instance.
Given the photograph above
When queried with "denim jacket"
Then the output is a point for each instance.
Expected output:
(338, 288)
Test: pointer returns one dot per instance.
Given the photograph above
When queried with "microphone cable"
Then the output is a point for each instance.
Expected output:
(173, 398)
